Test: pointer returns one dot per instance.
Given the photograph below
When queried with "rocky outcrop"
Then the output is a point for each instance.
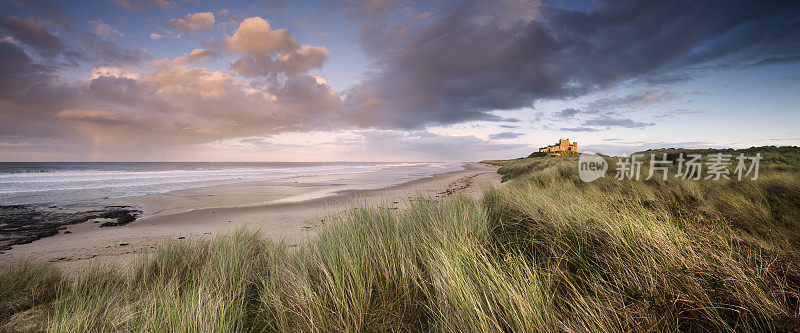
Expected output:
(21, 224)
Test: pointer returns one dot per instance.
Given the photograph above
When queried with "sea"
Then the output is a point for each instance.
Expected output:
(67, 183)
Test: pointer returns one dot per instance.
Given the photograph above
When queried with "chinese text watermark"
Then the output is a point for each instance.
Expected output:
(686, 166)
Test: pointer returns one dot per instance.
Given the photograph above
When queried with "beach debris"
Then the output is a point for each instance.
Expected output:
(124, 244)
(181, 237)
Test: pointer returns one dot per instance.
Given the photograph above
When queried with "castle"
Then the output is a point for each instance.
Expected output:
(562, 145)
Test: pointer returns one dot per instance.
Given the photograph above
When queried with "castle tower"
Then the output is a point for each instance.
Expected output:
(561, 145)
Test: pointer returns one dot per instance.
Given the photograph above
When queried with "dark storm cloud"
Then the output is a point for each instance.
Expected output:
(469, 59)
(26, 84)
(93, 49)
(49, 11)
(34, 96)
(28, 93)
(505, 135)
(32, 33)
(18, 72)
(568, 113)
(103, 52)
(777, 60)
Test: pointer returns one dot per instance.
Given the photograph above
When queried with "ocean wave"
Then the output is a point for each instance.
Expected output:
(64, 184)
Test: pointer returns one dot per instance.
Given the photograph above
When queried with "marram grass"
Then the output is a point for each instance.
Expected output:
(545, 252)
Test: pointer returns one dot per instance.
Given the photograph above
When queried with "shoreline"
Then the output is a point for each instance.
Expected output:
(261, 192)
(288, 210)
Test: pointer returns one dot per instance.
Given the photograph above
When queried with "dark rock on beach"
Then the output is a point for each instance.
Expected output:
(121, 216)
(21, 224)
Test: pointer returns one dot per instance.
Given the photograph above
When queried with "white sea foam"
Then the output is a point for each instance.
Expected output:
(49, 184)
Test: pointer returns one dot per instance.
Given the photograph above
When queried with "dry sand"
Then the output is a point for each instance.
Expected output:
(289, 210)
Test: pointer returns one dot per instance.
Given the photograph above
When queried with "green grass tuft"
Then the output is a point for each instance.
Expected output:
(544, 252)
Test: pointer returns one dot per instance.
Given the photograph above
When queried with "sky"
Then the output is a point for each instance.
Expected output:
(391, 80)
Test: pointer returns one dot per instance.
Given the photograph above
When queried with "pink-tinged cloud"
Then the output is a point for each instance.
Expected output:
(195, 56)
(166, 103)
(193, 22)
(176, 104)
(270, 52)
(254, 38)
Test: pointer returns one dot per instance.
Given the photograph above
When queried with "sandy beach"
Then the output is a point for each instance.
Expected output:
(287, 210)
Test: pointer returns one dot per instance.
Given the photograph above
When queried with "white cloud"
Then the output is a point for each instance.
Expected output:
(113, 71)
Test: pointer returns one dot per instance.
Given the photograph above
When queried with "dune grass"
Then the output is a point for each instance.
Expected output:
(544, 252)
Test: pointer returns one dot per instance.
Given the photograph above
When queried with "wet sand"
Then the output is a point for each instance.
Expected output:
(289, 210)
